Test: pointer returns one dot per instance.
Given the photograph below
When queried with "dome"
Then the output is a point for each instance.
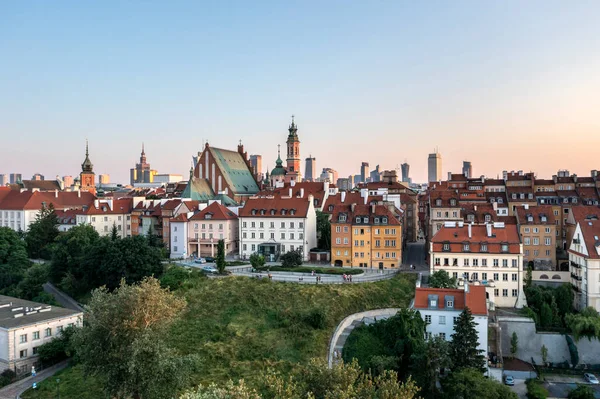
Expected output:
(279, 169)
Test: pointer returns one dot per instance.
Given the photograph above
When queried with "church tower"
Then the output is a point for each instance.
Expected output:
(293, 155)
(87, 177)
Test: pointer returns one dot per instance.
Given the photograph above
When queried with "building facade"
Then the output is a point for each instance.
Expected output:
(293, 155)
(405, 172)
(310, 172)
(103, 214)
(87, 177)
(208, 226)
(25, 326)
(434, 167)
(538, 234)
(584, 261)
(489, 255)
(15, 178)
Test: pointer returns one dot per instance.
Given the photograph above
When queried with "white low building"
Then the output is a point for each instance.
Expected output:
(102, 215)
(440, 308)
(24, 326)
(274, 225)
(584, 258)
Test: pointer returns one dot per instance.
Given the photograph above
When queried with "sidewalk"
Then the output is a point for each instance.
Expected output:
(15, 389)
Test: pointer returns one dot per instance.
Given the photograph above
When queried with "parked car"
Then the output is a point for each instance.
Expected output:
(509, 380)
(209, 269)
(209, 259)
(200, 260)
(591, 378)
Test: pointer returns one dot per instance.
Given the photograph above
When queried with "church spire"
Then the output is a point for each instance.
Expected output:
(87, 165)
(293, 129)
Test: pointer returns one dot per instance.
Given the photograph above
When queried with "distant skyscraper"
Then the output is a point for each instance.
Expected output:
(344, 184)
(142, 172)
(434, 166)
(310, 171)
(68, 181)
(15, 177)
(4, 180)
(405, 169)
(364, 172)
(37, 177)
(256, 164)
(467, 169)
(104, 179)
(375, 175)
(330, 175)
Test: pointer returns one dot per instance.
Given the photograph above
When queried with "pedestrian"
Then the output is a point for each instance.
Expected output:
(312, 273)
(350, 277)
(344, 277)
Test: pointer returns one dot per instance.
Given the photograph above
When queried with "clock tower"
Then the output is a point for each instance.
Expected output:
(293, 155)
(87, 176)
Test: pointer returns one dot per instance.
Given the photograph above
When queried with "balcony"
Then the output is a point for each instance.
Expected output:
(575, 288)
(575, 265)
(576, 277)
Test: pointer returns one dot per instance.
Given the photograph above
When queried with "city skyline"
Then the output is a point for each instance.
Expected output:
(384, 84)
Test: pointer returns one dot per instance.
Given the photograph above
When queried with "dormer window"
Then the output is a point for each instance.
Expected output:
(438, 202)
(330, 208)
(466, 247)
(471, 218)
(358, 219)
(484, 247)
(365, 220)
(543, 218)
(253, 211)
(529, 218)
(283, 211)
(449, 304)
(500, 200)
(262, 211)
(384, 220)
(342, 218)
(376, 220)
(487, 217)
(492, 200)
(514, 196)
(272, 211)
(292, 212)
(446, 246)
(530, 196)
(504, 247)
(208, 216)
(453, 202)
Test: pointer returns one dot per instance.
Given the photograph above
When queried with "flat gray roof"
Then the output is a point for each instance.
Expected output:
(15, 312)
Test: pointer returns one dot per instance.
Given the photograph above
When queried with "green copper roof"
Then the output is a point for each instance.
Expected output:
(198, 190)
(225, 200)
(235, 171)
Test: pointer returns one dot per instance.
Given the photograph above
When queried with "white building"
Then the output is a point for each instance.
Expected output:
(274, 225)
(490, 255)
(167, 178)
(24, 326)
(440, 308)
(584, 257)
(102, 215)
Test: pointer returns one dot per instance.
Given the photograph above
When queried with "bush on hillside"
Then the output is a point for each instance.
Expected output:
(535, 390)
(291, 259)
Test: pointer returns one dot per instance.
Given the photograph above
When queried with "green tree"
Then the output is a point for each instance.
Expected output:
(257, 260)
(42, 233)
(464, 351)
(564, 299)
(586, 324)
(572, 351)
(131, 326)
(528, 276)
(544, 353)
(514, 344)
(59, 348)
(546, 316)
(291, 258)
(13, 259)
(427, 364)
(323, 231)
(471, 384)
(535, 390)
(114, 233)
(70, 250)
(35, 277)
(581, 392)
(441, 279)
(220, 261)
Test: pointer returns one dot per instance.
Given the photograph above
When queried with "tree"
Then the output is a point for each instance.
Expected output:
(572, 351)
(564, 299)
(586, 324)
(114, 233)
(30, 287)
(544, 353)
(323, 231)
(257, 260)
(428, 363)
(441, 279)
(535, 390)
(70, 250)
(514, 344)
(220, 261)
(130, 325)
(528, 276)
(581, 392)
(546, 315)
(58, 349)
(464, 351)
(42, 233)
(291, 259)
(471, 384)
(13, 258)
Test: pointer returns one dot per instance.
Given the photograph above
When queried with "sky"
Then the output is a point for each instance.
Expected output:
(504, 84)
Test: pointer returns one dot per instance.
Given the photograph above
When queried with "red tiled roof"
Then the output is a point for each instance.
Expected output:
(351, 197)
(474, 299)
(28, 200)
(171, 204)
(544, 182)
(590, 228)
(456, 237)
(218, 212)
(370, 211)
(277, 205)
(119, 207)
(493, 182)
(182, 217)
(42, 185)
(536, 212)
(317, 189)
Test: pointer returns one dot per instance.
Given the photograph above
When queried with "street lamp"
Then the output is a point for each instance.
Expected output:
(58, 388)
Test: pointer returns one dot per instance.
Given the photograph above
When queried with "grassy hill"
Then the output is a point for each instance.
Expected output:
(240, 326)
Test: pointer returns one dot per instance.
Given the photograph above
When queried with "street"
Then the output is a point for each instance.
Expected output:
(414, 254)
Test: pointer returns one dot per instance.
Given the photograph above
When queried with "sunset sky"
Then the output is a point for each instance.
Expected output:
(503, 84)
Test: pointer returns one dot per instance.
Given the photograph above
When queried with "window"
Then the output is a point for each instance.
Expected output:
(35, 350)
(338, 229)
(272, 225)
(253, 247)
(514, 263)
(36, 335)
(301, 226)
(23, 353)
(442, 320)
(514, 277)
(345, 239)
(536, 230)
(496, 292)
(495, 262)
(484, 276)
(443, 336)
(283, 225)
(59, 329)
(475, 262)
(455, 274)
(283, 236)
(244, 247)
(23, 338)
(504, 262)
(495, 276)
(536, 241)
(504, 276)
(504, 247)
(428, 319)
(526, 241)
(446, 247)
(175, 248)
(428, 335)
(505, 292)
(48, 332)
(484, 262)
(514, 292)
(449, 304)
(437, 261)
(547, 230)
(465, 262)
(547, 241)
(338, 240)
(466, 247)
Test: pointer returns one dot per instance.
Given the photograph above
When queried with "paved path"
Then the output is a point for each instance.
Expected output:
(414, 254)
(63, 299)
(368, 276)
(15, 389)
(343, 330)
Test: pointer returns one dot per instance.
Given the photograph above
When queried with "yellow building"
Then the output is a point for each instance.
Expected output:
(365, 236)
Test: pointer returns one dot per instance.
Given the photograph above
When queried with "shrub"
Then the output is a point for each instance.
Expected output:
(535, 390)
(572, 351)
(174, 277)
(291, 259)
(316, 318)
(257, 260)
(581, 392)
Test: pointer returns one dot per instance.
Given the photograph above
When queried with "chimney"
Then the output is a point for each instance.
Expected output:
(78, 193)
(489, 229)
(343, 194)
(302, 192)
(469, 227)
(55, 193)
(353, 207)
(482, 179)
(326, 186)
(290, 192)
(475, 207)
(96, 203)
(293, 183)
(555, 178)
(495, 206)
(449, 175)
(526, 206)
(373, 209)
(520, 173)
(575, 178)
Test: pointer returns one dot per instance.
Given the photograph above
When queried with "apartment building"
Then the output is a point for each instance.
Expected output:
(103, 214)
(25, 326)
(443, 207)
(440, 308)
(366, 236)
(274, 225)
(490, 255)
(208, 226)
(584, 257)
(538, 235)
